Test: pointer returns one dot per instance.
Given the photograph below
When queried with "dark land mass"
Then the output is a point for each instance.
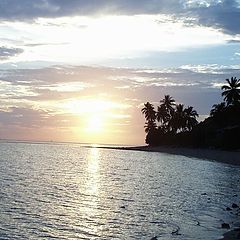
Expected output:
(173, 125)
(221, 131)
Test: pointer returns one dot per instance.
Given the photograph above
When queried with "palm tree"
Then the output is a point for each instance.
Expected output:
(217, 108)
(168, 102)
(177, 121)
(150, 126)
(150, 115)
(232, 91)
(190, 118)
(165, 111)
(149, 112)
(162, 114)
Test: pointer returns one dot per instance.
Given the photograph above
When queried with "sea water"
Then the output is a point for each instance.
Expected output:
(67, 191)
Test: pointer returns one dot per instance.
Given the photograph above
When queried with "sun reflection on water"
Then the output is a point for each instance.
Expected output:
(91, 204)
(92, 183)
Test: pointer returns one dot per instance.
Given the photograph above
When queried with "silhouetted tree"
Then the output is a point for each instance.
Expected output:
(178, 126)
(150, 116)
(162, 115)
(190, 116)
(149, 112)
(168, 102)
(165, 111)
(177, 120)
(217, 109)
(149, 126)
(232, 91)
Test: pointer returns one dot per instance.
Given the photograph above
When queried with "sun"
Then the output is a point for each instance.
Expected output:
(95, 124)
(94, 119)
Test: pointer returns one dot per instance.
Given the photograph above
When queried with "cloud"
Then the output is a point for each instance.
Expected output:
(38, 86)
(70, 79)
(30, 9)
(35, 124)
(43, 44)
(23, 116)
(223, 15)
(6, 52)
(51, 102)
(233, 41)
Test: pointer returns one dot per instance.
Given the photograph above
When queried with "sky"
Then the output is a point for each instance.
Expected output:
(80, 71)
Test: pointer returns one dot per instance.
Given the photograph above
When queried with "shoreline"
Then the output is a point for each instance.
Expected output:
(233, 234)
(223, 156)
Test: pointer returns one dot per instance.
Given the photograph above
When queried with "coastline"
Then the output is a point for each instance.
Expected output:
(222, 156)
(229, 157)
(232, 234)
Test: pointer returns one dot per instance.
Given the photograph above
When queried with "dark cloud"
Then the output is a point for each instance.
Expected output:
(30, 9)
(234, 41)
(224, 16)
(6, 53)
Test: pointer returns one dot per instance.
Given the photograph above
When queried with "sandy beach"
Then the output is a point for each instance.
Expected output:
(230, 157)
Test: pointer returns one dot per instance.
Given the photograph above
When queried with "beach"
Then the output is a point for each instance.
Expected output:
(230, 157)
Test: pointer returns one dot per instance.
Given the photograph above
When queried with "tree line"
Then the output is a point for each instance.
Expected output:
(231, 94)
(170, 122)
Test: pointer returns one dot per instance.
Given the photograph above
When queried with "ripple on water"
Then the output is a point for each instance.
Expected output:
(65, 191)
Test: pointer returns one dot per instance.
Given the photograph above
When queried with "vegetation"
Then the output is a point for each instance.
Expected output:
(173, 124)
(169, 120)
(231, 91)
(150, 116)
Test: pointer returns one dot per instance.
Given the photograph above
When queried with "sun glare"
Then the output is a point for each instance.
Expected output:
(95, 124)
(109, 37)
(95, 119)
(89, 106)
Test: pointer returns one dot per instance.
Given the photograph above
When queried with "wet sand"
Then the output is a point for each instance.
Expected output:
(230, 157)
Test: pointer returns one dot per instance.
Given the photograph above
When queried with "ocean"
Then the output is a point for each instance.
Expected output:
(69, 191)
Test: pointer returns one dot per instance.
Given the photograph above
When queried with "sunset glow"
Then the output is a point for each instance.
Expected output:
(119, 119)
(81, 70)
(75, 38)
(95, 124)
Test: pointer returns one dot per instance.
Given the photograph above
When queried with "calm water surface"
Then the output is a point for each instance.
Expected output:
(65, 191)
